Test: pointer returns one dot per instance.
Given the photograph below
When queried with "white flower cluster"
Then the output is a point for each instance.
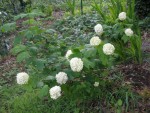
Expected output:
(129, 32)
(108, 49)
(76, 64)
(61, 78)
(55, 92)
(0, 13)
(22, 78)
(95, 41)
(122, 16)
(69, 52)
(96, 84)
(98, 29)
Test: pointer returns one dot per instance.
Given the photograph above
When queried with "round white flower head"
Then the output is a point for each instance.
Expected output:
(129, 32)
(108, 49)
(0, 13)
(22, 78)
(69, 52)
(55, 92)
(76, 64)
(98, 29)
(61, 78)
(96, 84)
(95, 41)
(122, 16)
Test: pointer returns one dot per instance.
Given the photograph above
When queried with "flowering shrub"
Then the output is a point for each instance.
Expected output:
(84, 70)
(98, 54)
(121, 15)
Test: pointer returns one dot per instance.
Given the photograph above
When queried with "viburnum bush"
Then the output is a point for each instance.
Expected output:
(80, 73)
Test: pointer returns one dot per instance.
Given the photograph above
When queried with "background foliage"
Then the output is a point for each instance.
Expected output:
(41, 50)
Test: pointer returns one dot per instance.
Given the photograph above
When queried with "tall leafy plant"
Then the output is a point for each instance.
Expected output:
(110, 15)
(71, 6)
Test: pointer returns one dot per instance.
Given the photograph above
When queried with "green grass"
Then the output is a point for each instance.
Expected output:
(15, 99)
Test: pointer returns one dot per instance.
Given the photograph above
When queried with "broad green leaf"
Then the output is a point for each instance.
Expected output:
(8, 27)
(28, 34)
(17, 49)
(30, 21)
(125, 38)
(102, 56)
(76, 50)
(39, 63)
(90, 52)
(87, 63)
(23, 56)
(50, 78)
(33, 49)
(119, 102)
(17, 40)
(50, 31)
(40, 84)
(44, 91)
(20, 16)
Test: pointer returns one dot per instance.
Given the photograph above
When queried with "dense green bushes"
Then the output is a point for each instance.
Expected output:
(143, 8)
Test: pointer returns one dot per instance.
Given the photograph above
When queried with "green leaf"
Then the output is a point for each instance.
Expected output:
(76, 50)
(44, 91)
(28, 34)
(20, 16)
(103, 57)
(50, 78)
(17, 49)
(17, 40)
(8, 27)
(33, 49)
(119, 102)
(30, 21)
(90, 52)
(39, 63)
(40, 84)
(23, 56)
(88, 64)
(125, 38)
(50, 31)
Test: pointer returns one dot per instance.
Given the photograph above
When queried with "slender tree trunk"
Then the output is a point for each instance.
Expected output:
(81, 7)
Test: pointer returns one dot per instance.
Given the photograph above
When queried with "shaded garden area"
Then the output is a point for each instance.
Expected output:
(74, 56)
